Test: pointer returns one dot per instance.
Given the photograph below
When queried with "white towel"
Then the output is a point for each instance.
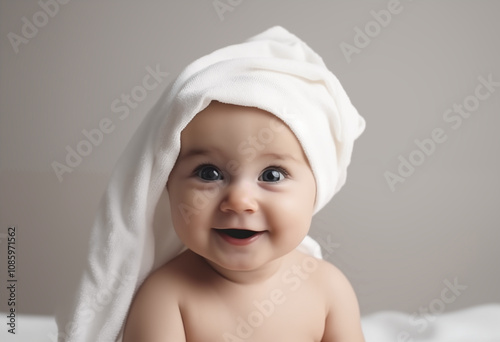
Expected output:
(274, 71)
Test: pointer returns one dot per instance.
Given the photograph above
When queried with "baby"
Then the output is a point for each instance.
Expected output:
(242, 278)
(206, 215)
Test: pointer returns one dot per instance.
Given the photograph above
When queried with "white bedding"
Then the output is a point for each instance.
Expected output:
(477, 324)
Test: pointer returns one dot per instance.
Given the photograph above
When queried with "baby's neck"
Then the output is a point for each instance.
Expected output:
(261, 275)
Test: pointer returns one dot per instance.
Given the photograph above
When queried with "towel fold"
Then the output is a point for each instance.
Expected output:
(274, 71)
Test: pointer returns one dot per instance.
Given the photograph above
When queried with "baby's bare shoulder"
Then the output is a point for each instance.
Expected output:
(322, 272)
(155, 312)
(343, 321)
(331, 276)
(161, 283)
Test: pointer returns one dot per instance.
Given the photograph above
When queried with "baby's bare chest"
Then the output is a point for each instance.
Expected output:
(278, 314)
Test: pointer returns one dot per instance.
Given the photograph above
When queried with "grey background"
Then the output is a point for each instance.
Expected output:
(396, 247)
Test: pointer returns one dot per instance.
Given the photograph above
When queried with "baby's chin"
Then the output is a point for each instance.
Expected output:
(243, 264)
(261, 266)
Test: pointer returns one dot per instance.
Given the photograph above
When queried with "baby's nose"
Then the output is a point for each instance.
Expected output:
(239, 198)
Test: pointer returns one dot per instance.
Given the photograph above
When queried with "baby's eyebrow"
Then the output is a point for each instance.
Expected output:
(279, 156)
(195, 152)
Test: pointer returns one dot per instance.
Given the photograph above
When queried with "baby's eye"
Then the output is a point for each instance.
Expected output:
(273, 175)
(208, 173)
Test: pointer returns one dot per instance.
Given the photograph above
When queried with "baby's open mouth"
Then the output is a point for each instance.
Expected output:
(238, 233)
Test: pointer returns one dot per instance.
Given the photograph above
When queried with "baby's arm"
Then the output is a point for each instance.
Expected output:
(154, 315)
(343, 322)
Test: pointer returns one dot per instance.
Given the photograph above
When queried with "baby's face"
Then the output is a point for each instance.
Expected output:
(241, 192)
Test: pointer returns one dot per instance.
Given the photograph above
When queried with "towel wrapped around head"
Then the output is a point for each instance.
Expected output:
(274, 71)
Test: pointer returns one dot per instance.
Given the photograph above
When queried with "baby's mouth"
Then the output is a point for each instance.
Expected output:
(238, 233)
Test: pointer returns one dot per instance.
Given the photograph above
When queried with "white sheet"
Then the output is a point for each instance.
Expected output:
(476, 324)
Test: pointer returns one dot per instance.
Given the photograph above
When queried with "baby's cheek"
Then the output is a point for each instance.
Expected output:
(298, 211)
(292, 217)
(299, 203)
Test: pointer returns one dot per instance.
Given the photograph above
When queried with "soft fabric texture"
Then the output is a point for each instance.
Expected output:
(274, 71)
(473, 324)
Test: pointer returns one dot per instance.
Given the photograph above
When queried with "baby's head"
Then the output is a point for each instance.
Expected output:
(226, 166)
(264, 126)
(242, 192)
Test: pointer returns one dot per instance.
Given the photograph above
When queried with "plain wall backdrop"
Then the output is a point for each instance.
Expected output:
(420, 209)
